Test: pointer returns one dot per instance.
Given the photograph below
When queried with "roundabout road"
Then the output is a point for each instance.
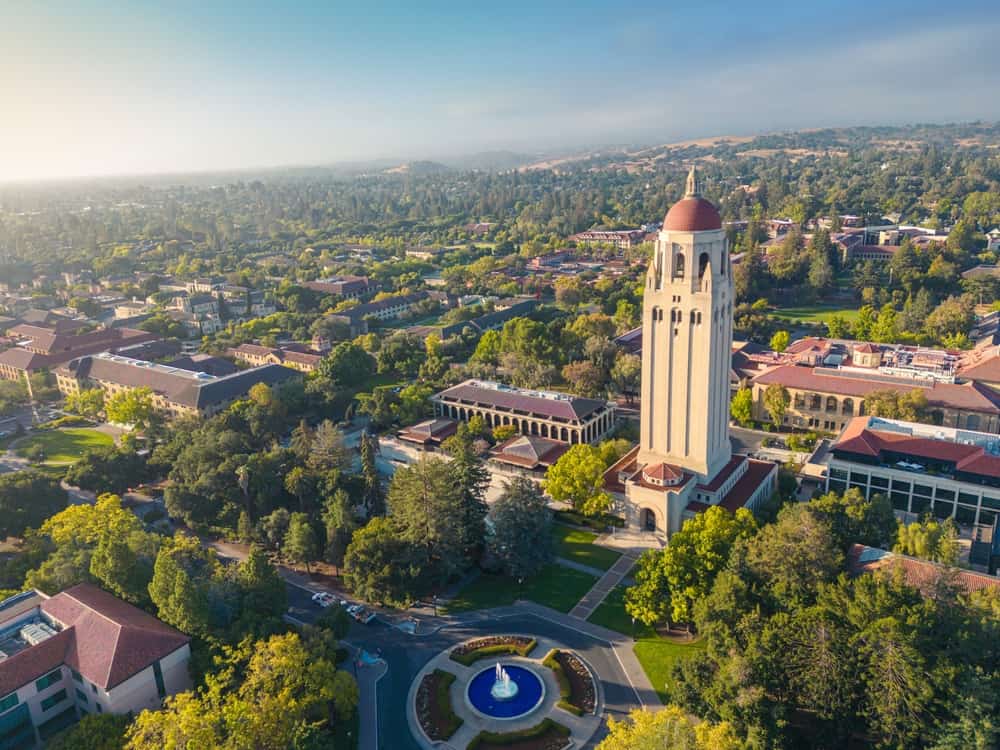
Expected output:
(406, 655)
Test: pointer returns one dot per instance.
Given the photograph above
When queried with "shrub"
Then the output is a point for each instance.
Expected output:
(70, 420)
(469, 654)
(565, 688)
(546, 727)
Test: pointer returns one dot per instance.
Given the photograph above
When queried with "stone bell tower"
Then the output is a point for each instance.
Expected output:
(686, 340)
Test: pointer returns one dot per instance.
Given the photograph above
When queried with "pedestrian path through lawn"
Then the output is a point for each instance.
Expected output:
(593, 598)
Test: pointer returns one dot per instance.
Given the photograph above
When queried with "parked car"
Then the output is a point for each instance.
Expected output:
(324, 598)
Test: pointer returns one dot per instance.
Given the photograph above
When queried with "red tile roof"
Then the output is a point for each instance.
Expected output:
(112, 639)
(33, 662)
(746, 486)
(921, 574)
(566, 407)
(858, 438)
(103, 638)
(965, 396)
(692, 214)
(724, 473)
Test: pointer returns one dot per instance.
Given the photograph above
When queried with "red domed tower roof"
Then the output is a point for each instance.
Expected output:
(692, 213)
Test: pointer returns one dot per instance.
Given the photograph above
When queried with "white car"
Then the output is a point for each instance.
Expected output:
(324, 598)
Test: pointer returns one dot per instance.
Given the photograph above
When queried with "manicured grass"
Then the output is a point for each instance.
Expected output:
(815, 313)
(555, 586)
(578, 546)
(65, 446)
(656, 655)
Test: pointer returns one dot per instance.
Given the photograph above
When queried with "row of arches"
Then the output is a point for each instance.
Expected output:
(536, 427)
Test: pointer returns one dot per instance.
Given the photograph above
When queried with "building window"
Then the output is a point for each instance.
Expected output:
(81, 695)
(48, 680)
(965, 515)
(76, 676)
(877, 481)
(158, 676)
(8, 703)
(991, 502)
(965, 497)
(944, 510)
(53, 700)
(98, 707)
(942, 494)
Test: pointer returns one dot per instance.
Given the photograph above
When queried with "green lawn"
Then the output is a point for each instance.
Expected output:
(655, 654)
(578, 546)
(815, 313)
(555, 586)
(65, 446)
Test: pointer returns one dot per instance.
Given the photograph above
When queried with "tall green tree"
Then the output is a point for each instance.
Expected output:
(520, 529)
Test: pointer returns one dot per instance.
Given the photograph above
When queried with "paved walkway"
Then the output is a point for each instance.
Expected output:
(566, 563)
(605, 584)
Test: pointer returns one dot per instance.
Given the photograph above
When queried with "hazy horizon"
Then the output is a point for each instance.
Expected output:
(106, 89)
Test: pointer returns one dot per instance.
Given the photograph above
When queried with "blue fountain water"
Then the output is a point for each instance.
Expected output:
(529, 693)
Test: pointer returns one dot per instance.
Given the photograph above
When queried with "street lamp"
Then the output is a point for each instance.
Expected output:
(434, 602)
(520, 581)
(633, 628)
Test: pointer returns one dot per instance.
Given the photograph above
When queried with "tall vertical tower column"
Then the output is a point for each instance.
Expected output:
(686, 341)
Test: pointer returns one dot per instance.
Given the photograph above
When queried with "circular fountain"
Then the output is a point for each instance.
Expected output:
(505, 692)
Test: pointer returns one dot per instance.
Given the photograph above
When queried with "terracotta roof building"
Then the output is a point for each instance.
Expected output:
(253, 354)
(557, 416)
(46, 348)
(529, 453)
(78, 652)
(921, 574)
(430, 433)
(175, 391)
(827, 398)
(947, 472)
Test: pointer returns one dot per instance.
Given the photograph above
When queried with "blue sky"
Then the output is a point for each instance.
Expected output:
(104, 88)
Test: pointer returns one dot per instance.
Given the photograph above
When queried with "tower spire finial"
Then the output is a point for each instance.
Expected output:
(693, 189)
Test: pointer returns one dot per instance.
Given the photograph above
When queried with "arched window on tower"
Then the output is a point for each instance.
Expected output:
(703, 265)
(679, 266)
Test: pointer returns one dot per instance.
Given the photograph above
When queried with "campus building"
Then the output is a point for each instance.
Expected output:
(557, 416)
(684, 461)
(257, 356)
(81, 651)
(176, 391)
(947, 472)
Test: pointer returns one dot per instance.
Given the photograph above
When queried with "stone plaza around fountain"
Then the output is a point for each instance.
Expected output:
(475, 720)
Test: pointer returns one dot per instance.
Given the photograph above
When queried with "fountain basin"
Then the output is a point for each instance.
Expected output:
(526, 687)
